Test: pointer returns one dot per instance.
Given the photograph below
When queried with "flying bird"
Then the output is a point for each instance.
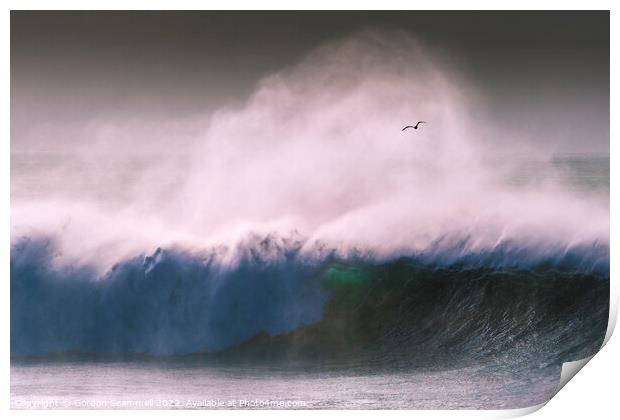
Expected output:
(415, 127)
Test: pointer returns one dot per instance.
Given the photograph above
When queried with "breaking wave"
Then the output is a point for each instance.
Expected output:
(412, 246)
(277, 300)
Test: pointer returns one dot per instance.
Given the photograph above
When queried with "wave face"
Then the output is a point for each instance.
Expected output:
(167, 303)
(275, 301)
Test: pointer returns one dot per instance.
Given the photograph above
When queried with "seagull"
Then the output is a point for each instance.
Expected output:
(415, 127)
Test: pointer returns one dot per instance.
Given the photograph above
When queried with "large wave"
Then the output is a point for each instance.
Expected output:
(174, 302)
(401, 235)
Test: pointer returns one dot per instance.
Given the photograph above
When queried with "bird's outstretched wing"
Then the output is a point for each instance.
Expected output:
(409, 126)
(422, 122)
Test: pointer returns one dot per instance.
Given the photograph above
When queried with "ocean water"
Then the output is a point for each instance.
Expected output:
(84, 384)
(453, 329)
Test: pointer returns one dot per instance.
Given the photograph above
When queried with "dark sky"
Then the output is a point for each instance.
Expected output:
(539, 71)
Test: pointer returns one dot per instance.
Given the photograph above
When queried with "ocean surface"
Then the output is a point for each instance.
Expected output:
(451, 329)
(186, 384)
